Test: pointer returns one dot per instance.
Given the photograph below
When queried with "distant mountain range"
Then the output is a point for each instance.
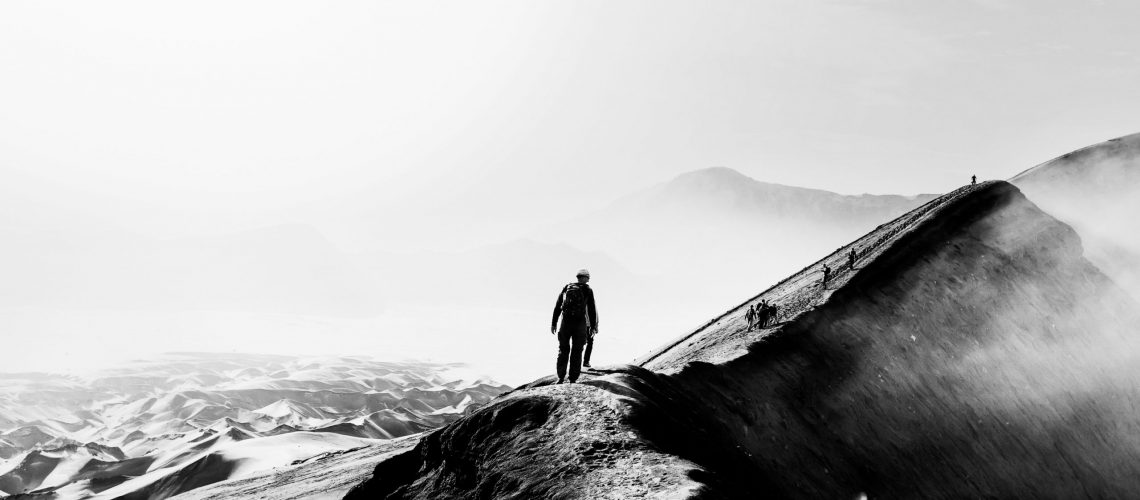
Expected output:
(719, 193)
(176, 420)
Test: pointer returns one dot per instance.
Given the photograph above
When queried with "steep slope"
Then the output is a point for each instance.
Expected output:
(1097, 191)
(971, 352)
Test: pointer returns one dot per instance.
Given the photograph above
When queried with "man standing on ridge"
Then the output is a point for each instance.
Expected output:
(579, 325)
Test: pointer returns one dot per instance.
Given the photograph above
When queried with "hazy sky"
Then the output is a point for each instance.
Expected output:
(450, 125)
(374, 120)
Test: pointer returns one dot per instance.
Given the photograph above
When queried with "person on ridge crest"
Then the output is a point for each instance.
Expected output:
(579, 325)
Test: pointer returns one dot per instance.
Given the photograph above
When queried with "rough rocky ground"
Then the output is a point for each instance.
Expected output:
(546, 441)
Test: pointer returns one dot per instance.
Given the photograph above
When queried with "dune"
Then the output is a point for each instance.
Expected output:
(972, 352)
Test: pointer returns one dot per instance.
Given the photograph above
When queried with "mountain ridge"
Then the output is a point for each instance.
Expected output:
(836, 399)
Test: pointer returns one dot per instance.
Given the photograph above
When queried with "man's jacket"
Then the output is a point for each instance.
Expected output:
(589, 312)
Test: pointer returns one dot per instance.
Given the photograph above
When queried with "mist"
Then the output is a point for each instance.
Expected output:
(174, 178)
(1096, 190)
(240, 236)
(665, 259)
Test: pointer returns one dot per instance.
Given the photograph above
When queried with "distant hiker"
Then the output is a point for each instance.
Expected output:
(769, 313)
(761, 314)
(579, 325)
(826, 274)
(851, 259)
(973, 180)
(751, 317)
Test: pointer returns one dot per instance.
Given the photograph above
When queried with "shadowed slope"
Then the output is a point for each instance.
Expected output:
(972, 352)
(978, 354)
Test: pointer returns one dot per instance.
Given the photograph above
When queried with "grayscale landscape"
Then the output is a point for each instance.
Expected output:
(357, 250)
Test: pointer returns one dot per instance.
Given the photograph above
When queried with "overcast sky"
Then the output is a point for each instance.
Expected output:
(483, 118)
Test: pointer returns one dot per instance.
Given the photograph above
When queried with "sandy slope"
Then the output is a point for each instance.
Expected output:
(972, 352)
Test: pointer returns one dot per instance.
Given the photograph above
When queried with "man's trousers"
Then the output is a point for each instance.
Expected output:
(571, 339)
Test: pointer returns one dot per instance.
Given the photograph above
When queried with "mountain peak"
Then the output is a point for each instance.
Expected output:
(723, 174)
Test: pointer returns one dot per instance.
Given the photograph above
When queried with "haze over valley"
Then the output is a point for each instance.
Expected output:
(287, 250)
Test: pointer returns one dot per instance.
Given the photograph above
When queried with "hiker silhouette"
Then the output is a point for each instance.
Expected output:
(765, 314)
(579, 325)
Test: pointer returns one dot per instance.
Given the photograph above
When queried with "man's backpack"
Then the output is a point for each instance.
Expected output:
(574, 302)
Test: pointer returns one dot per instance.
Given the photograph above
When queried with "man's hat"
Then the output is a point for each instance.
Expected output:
(583, 272)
